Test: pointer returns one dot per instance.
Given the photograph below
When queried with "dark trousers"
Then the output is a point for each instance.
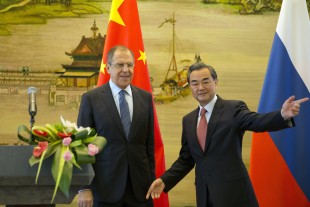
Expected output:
(128, 200)
(209, 202)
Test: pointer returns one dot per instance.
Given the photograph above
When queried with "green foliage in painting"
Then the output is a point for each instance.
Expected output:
(253, 6)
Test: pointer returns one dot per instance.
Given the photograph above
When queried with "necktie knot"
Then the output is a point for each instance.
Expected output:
(122, 92)
(203, 112)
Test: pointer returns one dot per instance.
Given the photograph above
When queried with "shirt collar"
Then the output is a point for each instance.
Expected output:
(209, 107)
(115, 89)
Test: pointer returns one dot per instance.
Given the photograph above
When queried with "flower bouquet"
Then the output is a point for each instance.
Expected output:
(70, 145)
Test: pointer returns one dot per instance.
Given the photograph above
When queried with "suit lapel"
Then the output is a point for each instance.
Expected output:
(109, 103)
(192, 129)
(136, 108)
(214, 119)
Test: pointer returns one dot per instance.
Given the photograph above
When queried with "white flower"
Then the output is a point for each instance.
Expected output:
(68, 125)
(82, 128)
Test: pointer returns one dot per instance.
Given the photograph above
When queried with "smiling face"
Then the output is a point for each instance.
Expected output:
(202, 85)
(121, 68)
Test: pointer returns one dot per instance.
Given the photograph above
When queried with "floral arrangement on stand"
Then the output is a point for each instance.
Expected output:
(70, 145)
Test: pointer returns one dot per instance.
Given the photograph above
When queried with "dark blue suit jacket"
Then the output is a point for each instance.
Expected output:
(220, 170)
(120, 157)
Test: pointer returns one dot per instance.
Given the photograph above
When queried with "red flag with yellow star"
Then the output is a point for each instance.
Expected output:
(124, 29)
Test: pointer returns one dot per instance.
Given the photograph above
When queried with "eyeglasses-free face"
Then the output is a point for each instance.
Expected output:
(203, 86)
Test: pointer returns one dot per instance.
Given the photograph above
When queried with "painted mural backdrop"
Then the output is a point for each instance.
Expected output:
(56, 46)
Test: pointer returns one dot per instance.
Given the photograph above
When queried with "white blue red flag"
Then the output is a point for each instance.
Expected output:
(280, 161)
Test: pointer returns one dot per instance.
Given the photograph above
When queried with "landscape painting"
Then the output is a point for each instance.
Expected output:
(43, 45)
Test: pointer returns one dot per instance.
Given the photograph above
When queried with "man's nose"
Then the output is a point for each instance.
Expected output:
(201, 85)
(125, 68)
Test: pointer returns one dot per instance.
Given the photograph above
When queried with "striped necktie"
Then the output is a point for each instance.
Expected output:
(124, 111)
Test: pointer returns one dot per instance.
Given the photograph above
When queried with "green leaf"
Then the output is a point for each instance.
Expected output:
(82, 155)
(39, 167)
(40, 138)
(66, 177)
(59, 127)
(53, 131)
(22, 129)
(92, 132)
(89, 140)
(57, 168)
(73, 161)
(81, 152)
(100, 142)
(80, 134)
(76, 143)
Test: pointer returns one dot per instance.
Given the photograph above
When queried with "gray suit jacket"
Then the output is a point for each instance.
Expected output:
(120, 157)
(220, 171)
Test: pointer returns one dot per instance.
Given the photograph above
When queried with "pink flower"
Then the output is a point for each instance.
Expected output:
(67, 156)
(38, 150)
(92, 149)
(67, 141)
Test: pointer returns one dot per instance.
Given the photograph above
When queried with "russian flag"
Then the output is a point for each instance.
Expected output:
(280, 161)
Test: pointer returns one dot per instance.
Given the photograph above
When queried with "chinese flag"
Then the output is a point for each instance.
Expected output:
(124, 29)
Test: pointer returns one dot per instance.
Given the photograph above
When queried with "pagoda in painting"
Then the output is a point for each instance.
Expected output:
(82, 74)
(87, 57)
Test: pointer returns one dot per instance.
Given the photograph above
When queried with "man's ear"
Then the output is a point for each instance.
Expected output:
(108, 68)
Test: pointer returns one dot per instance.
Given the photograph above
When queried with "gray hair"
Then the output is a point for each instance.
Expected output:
(114, 49)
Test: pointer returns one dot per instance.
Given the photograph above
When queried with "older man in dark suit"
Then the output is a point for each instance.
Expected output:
(212, 140)
(123, 114)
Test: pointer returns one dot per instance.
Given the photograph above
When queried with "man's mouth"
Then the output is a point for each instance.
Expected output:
(202, 94)
(127, 76)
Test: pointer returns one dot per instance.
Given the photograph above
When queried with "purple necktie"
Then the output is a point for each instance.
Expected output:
(202, 129)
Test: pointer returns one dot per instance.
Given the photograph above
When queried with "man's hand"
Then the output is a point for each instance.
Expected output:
(291, 107)
(85, 198)
(156, 189)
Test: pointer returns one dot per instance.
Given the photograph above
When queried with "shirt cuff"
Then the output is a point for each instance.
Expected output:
(80, 191)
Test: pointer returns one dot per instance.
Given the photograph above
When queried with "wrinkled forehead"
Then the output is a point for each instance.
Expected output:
(123, 55)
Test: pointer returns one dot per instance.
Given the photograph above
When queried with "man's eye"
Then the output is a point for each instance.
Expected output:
(120, 65)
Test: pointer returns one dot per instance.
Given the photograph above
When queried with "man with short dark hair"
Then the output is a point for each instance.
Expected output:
(212, 140)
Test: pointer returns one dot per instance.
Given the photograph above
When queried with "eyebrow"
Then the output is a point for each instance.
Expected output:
(195, 80)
